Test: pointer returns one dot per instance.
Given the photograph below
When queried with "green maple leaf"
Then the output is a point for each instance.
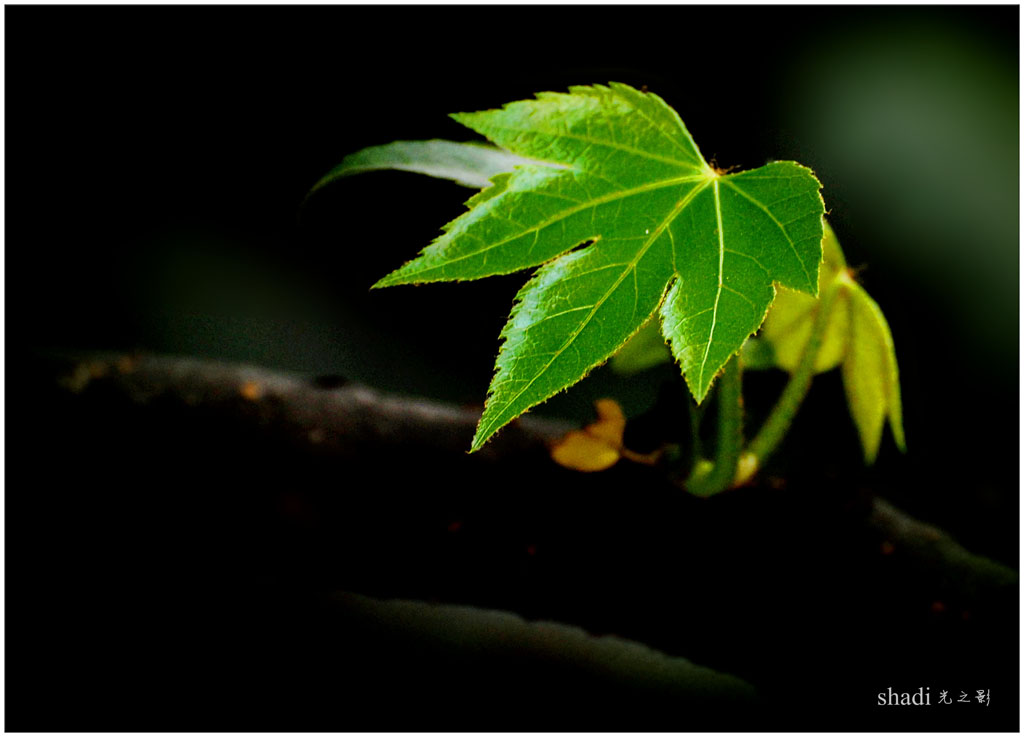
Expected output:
(783, 335)
(787, 328)
(469, 164)
(618, 171)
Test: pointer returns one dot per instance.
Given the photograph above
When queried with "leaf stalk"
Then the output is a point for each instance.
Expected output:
(704, 481)
(781, 417)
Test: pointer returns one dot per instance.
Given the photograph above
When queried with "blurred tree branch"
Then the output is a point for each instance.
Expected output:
(347, 420)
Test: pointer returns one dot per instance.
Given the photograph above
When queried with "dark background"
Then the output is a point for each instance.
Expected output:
(158, 159)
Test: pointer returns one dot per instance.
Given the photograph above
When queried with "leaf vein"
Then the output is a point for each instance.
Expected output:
(658, 128)
(570, 341)
(780, 226)
(610, 197)
(718, 293)
(596, 141)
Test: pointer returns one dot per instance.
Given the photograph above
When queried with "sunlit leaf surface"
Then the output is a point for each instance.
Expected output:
(661, 232)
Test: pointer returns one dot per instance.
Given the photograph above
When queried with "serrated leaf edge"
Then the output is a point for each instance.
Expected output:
(669, 219)
(500, 184)
(480, 439)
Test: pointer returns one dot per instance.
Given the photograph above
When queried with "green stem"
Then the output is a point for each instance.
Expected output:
(704, 482)
(782, 414)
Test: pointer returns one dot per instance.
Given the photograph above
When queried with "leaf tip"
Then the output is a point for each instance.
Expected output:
(896, 425)
(395, 278)
(480, 438)
(465, 119)
(320, 184)
(871, 445)
(387, 281)
(698, 391)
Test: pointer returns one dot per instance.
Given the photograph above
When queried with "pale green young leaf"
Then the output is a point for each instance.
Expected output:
(857, 337)
(787, 328)
(758, 354)
(871, 375)
(645, 349)
(783, 335)
(468, 164)
(664, 229)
